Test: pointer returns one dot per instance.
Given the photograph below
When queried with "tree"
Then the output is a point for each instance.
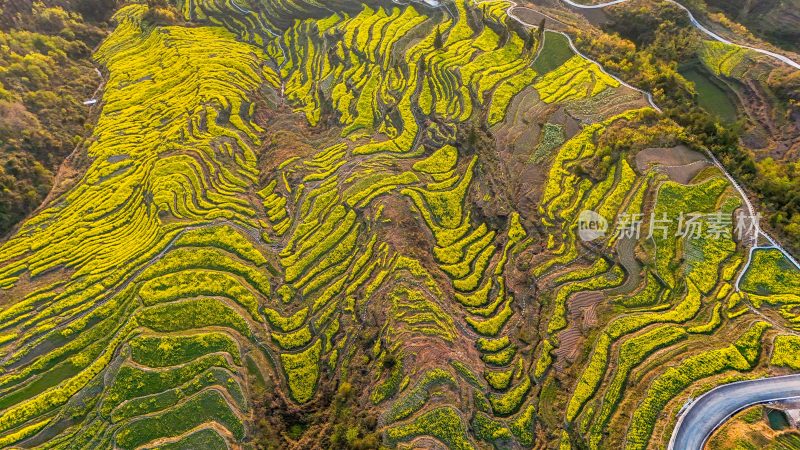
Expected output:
(530, 41)
(438, 42)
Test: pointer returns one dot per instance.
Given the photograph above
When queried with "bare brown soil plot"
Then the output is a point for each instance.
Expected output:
(582, 315)
(680, 163)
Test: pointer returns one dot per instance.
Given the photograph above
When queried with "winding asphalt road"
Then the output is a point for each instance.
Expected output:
(703, 415)
(697, 25)
(757, 231)
(699, 419)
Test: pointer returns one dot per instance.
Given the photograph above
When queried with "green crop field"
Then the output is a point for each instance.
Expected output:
(301, 225)
(553, 54)
(710, 95)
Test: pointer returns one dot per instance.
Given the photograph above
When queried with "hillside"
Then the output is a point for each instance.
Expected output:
(777, 21)
(46, 75)
(362, 225)
(736, 94)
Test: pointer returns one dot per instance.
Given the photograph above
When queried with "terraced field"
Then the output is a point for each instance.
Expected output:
(289, 200)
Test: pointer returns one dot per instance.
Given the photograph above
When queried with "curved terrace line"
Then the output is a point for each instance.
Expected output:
(751, 211)
(699, 412)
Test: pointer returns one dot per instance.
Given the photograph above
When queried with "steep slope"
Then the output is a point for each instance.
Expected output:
(777, 21)
(46, 75)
